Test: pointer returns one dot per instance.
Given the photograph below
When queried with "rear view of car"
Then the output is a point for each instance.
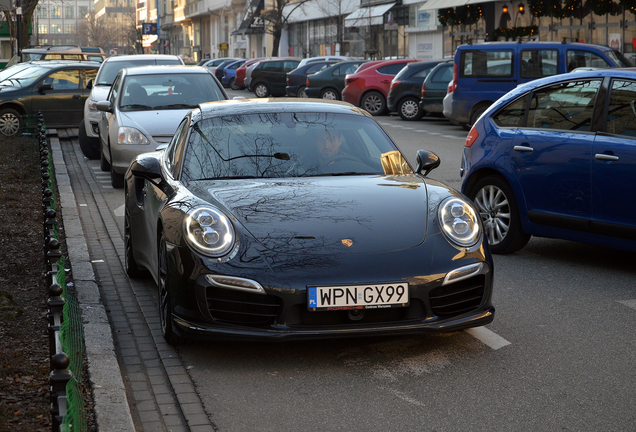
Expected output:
(435, 87)
(369, 86)
(269, 77)
(297, 78)
(406, 88)
(485, 72)
(329, 83)
(88, 135)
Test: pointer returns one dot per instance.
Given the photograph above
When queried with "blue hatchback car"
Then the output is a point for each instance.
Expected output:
(556, 157)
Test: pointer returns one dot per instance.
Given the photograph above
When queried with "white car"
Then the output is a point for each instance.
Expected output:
(88, 135)
(143, 109)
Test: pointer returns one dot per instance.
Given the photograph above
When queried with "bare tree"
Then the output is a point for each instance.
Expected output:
(335, 11)
(276, 18)
(94, 32)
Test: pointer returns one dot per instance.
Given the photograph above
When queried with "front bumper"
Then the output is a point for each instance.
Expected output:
(205, 311)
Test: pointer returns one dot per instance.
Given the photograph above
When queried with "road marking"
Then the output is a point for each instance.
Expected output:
(490, 338)
(630, 303)
(119, 211)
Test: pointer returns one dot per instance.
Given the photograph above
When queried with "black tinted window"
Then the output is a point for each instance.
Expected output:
(512, 114)
(485, 64)
(539, 63)
(272, 66)
(566, 106)
(391, 69)
(576, 59)
(443, 74)
(621, 113)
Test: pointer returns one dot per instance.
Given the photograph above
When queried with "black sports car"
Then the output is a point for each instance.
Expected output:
(292, 219)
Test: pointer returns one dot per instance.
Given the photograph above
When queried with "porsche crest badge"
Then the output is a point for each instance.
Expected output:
(347, 242)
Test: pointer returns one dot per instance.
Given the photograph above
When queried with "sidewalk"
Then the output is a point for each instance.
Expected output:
(137, 379)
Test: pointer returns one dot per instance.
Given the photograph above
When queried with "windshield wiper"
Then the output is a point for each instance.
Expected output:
(348, 173)
(172, 106)
(136, 106)
(227, 178)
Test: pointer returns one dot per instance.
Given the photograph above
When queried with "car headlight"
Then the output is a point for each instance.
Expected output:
(92, 107)
(209, 231)
(131, 136)
(459, 221)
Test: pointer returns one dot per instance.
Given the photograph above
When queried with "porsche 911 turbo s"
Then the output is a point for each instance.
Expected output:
(270, 219)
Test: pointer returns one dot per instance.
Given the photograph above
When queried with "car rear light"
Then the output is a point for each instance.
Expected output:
(287, 80)
(307, 83)
(451, 87)
(349, 79)
(394, 83)
(454, 81)
(472, 137)
(423, 89)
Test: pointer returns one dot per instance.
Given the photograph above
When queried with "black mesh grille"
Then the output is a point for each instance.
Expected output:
(457, 298)
(243, 308)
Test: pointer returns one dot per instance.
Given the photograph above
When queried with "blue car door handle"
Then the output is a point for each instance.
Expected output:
(605, 157)
(523, 148)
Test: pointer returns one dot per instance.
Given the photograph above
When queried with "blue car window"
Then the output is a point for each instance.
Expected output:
(512, 114)
(576, 59)
(538, 63)
(485, 63)
(565, 106)
(621, 112)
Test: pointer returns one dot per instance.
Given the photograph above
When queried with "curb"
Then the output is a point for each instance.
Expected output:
(112, 412)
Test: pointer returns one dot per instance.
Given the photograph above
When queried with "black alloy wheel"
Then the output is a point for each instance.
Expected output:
(132, 269)
(374, 103)
(165, 302)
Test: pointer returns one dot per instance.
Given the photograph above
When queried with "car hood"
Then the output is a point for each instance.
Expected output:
(159, 124)
(359, 214)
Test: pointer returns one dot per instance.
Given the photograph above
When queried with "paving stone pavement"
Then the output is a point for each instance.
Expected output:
(159, 393)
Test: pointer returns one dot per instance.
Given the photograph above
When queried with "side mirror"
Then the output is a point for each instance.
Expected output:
(45, 87)
(104, 106)
(426, 162)
(89, 84)
(146, 167)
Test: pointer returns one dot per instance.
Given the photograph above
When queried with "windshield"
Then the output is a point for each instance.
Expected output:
(287, 145)
(12, 70)
(109, 70)
(168, 91)
(25, 76)
(618, 58)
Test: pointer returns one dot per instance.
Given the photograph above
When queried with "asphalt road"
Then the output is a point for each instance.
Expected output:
(560, 354)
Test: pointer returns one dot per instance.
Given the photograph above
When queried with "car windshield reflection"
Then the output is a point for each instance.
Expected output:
(287, 145)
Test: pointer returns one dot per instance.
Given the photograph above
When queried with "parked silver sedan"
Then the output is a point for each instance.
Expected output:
(144, 107)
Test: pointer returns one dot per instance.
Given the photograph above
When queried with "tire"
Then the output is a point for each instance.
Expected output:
(409, 109)
(301, 92)
(132, 269)
(330, 94)
(89, 146)
(104, 165)
(261, 90)
(165, 300)
(477, 114)
(11, 122)
(233, 84)
(374, 103)
(499, 213)
(116, 179)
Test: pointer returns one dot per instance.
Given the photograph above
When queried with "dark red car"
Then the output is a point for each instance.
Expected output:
(239, 80)
(369, 86)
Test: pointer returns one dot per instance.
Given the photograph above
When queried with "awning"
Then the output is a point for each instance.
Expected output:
(252, 22)
(445, 4)
(317, 9)
(365, 16)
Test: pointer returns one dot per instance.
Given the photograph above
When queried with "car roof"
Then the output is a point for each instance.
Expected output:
(118, 58)
(59, 63)
(276, 105)
(163, 69)
(49, 48)
(527, 44)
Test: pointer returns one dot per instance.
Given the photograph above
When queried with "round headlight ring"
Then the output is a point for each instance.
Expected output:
(209, 231)
(459, 222)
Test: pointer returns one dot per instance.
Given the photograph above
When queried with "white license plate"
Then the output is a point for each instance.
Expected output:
(358, 297)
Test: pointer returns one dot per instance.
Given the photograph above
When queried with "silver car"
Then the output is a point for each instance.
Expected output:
(143, 109)
(88, 135)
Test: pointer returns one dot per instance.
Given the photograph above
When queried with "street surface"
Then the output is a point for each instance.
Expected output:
(560, 354)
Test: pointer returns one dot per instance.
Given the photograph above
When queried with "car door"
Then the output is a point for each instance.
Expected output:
(551, 154)
(614, 164)
(108, 119)
(64, 104)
